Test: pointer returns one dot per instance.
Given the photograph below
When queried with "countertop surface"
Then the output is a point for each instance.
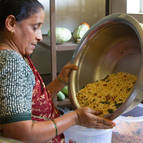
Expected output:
(132, 134)
(129, 129)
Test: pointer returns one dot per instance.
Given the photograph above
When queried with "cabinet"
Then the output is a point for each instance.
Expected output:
(54, 47)
(70, 45)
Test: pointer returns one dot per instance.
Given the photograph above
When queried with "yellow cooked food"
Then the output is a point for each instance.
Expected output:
(108, 94)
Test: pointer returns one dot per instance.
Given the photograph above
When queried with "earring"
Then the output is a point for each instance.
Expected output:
(12, 32)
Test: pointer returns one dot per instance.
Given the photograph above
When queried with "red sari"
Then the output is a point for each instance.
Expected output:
(42, 105)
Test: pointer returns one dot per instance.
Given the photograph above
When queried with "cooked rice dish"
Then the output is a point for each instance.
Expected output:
(108, 94)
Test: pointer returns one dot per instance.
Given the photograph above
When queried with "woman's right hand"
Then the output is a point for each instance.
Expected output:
(89, 118)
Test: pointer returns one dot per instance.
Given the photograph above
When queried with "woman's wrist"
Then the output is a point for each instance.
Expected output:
(55, 126)
(61, 80)
(76, 116)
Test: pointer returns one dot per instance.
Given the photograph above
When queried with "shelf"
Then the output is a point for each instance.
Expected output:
(51, 42)
(45, 41)
(67, 46)
(65, 103)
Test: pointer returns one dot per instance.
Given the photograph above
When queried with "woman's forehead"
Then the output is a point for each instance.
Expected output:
(37, 17)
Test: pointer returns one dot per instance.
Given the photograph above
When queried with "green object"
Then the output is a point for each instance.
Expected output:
(110, 110)
(80, 31)
(62, 35)
(55, 126)
(60, 96)
(65, 90)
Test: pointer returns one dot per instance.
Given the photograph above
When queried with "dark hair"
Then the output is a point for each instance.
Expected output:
(21, 9)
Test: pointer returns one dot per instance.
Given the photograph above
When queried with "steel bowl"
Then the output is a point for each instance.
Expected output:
(113, 44)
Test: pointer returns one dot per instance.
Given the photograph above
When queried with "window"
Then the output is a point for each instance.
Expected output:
(135, 6)
(132, 7)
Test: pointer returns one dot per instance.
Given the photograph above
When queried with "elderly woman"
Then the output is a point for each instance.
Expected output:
(23, 96)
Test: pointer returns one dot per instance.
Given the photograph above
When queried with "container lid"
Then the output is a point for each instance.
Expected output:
(87, 131)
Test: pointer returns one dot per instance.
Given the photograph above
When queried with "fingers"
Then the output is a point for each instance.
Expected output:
(88, 117)
(67, 69)
(105, 122)
(71, 67)
(100, 123)
(102, 126)
(65, 73)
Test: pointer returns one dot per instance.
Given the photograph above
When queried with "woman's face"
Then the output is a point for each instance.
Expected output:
(27, 33)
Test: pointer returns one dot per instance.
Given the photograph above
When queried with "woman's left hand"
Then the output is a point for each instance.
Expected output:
(55, 86)
(65, 72)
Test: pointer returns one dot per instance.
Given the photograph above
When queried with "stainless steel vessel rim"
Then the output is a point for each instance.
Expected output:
(119, 17)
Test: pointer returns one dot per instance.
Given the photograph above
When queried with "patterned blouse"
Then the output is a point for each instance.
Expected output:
(16, 85)
(21, 88)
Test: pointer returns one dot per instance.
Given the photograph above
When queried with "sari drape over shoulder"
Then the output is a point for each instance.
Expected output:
(42, 105)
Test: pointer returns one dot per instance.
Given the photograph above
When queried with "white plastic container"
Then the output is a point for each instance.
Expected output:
(129, 127)
(79, 134)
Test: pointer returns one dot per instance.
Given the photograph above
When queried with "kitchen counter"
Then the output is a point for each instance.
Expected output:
(130, 135)
(129, 129)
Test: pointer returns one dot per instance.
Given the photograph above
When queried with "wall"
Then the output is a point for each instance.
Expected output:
(120, 6)
(42, 60)
(69, 13)
(117, 6)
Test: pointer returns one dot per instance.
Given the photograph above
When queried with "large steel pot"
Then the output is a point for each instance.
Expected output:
(113, 44)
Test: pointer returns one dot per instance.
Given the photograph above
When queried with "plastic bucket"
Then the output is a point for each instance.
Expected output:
(79, 134)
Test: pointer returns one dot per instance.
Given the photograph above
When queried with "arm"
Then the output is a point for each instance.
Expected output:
(38, 132)
(15, 115)
(35, 132)
(62, 79)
